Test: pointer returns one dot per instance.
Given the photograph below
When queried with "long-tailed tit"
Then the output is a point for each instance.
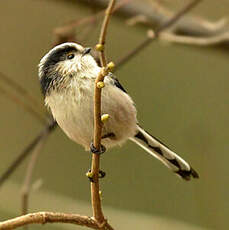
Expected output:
(67, 75)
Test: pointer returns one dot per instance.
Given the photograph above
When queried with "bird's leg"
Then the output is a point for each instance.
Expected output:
(102, 174)
(95, 150)
(102, 148)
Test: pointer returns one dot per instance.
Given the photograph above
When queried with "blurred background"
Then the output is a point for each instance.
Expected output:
(181, 93)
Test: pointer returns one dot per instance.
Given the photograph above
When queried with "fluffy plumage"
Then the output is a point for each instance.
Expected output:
(67, 74)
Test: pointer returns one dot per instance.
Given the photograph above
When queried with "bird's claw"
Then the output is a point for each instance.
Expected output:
(102, 174)
(95, 150)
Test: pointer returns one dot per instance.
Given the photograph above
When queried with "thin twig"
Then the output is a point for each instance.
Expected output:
(48, 217)
(198, 41)
(163, 27)
(177, 16)
(69, 27)
(102, 37)
(48, 129)
(95, 196)
(28, 175)
(98, 221)
(156, 14)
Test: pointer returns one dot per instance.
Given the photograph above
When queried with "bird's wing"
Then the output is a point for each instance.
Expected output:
(116, 82)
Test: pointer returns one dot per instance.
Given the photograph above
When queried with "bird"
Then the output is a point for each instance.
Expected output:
(67, 75)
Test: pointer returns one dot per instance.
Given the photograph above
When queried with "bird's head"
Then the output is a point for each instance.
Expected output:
(62, 63)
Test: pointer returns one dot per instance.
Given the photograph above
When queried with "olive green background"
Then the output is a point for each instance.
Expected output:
(181, 94)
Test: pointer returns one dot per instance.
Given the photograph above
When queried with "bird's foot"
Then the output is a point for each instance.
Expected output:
(95, 150)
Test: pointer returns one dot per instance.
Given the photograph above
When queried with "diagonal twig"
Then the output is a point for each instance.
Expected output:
(177, 16)
(98, 221)
(68, 30)
(161, 28)
(59, 32)
(48, 129)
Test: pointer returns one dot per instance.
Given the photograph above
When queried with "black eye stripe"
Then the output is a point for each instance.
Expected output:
(58, 55)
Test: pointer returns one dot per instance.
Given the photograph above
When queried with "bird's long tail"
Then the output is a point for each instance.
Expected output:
(164, 154)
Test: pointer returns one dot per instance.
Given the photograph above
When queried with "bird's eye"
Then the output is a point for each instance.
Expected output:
(70, 56)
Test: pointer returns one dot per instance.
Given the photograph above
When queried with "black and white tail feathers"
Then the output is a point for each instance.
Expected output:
(164, 154)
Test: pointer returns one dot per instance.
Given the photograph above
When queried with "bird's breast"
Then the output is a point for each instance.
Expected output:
(73, 110)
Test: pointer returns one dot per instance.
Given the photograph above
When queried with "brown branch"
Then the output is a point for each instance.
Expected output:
(163, 27)
(103, 33)
(95, 195)
(48, 217)
(49, 128)
(198, 41)
(154, 15)
(98, 221)
(28, 175)
(177, 16)
(157, 14)
(67, 32)
(25, 153)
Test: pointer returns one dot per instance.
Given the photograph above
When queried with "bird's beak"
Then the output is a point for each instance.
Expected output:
(86, 51)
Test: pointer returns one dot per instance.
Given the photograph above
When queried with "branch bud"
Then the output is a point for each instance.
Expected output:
(100, 194)
(100, 84)
(151, 34)
(110, 66)
(99, 47)
(104, 117)
(89, 174)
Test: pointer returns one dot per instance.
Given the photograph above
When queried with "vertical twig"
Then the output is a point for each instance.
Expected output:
(95, 196)
(102, 37)
(68, 29)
